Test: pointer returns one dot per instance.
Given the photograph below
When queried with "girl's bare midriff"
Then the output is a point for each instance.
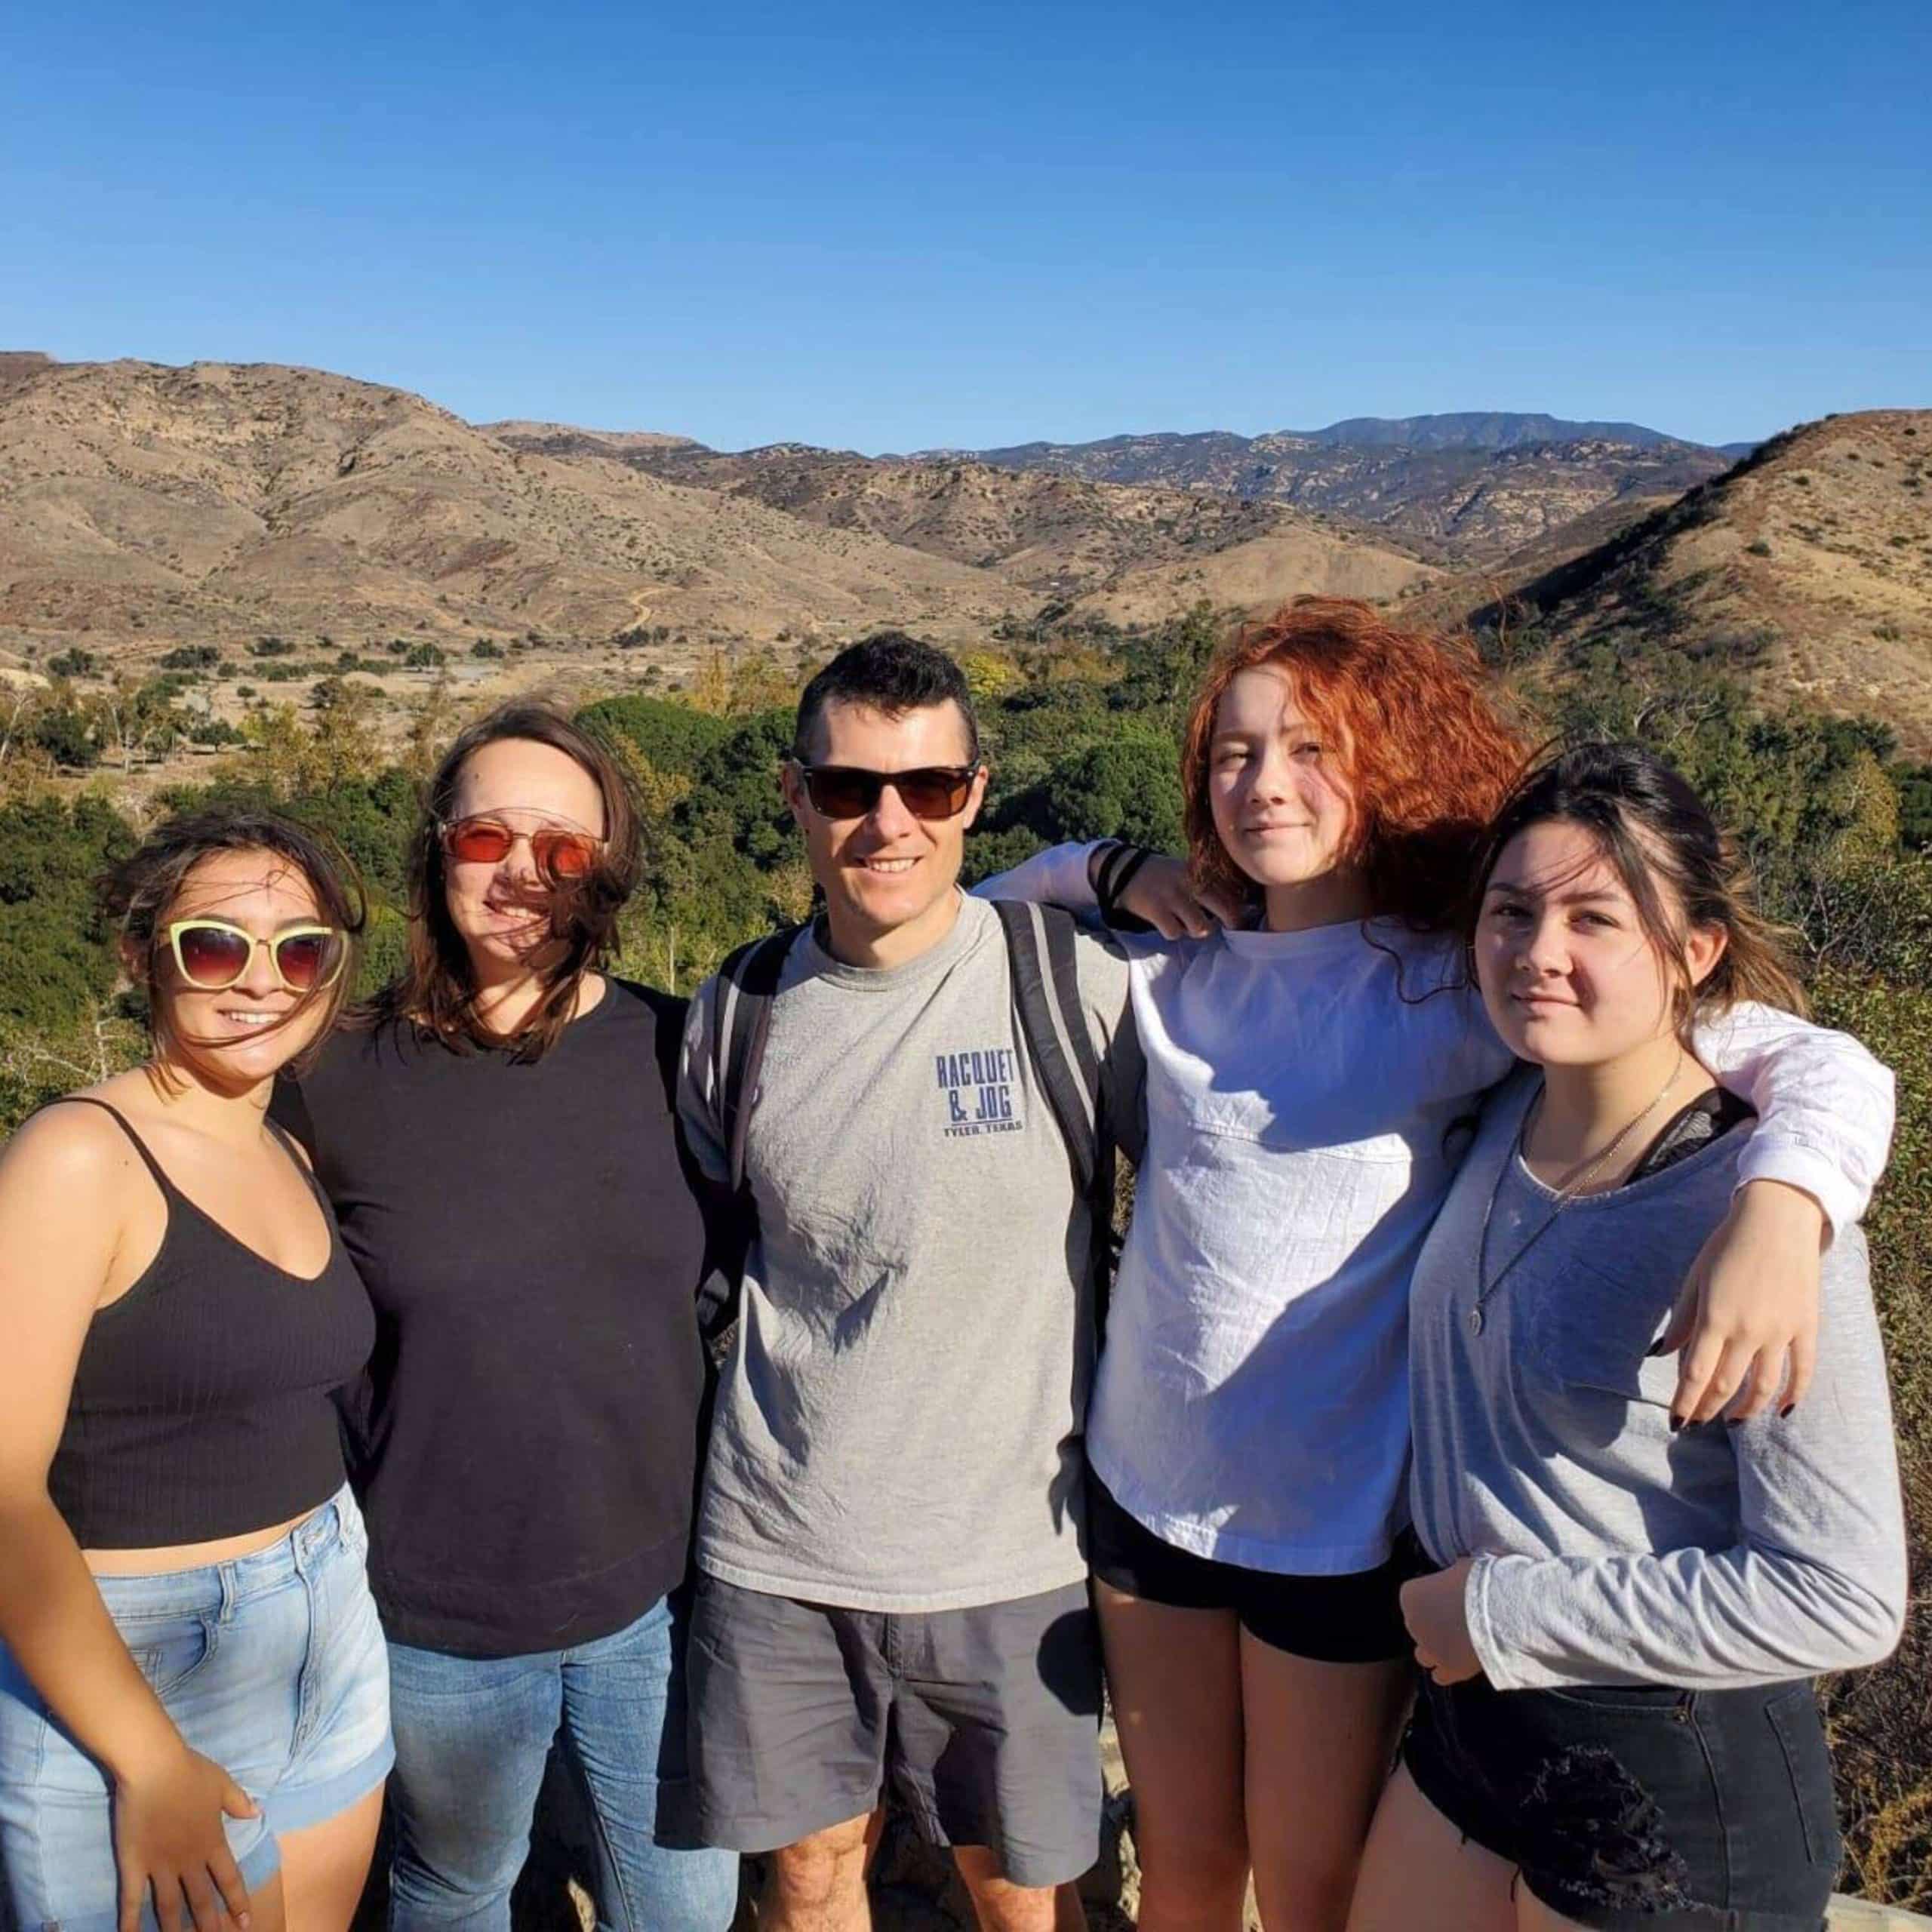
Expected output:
(184, 1555)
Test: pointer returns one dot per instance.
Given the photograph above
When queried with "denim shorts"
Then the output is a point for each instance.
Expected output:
(272, 1665)
(1712, 1808)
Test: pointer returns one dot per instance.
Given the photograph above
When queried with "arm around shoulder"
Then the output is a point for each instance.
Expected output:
(1058, 876)
(1825, 1104)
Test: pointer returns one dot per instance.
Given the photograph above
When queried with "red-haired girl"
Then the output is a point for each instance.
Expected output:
(1308, 1062)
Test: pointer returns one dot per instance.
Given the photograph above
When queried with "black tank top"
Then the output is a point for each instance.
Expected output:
(201, 1405)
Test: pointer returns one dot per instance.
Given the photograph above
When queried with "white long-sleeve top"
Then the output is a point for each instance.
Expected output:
(1252, 1403)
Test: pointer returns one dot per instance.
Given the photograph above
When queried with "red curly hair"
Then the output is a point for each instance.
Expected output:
(1425, 756)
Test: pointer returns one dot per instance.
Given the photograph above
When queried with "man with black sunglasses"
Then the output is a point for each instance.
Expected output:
(891, 1591)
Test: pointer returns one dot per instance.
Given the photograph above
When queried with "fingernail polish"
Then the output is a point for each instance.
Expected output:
(1656, 1349)
(1676, 1423)
(1789, 1410)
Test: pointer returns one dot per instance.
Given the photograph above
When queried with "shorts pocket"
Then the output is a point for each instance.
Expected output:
(1627, 1701)
(168, 1653)
(1793, 1718)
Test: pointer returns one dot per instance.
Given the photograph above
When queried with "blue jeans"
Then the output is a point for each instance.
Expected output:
(472, 1735)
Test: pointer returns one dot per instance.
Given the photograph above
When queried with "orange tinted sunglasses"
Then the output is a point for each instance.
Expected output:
(563, 857)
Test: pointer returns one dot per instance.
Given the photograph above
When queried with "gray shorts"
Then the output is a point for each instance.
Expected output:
(982, 1723)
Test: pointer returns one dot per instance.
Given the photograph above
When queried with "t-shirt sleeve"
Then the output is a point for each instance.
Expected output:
(698, 1102)
(1815, 1582)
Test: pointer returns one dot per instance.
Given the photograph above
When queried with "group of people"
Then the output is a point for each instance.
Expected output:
(1478, 1443)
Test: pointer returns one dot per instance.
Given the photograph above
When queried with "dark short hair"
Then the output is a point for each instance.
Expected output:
(888, 671)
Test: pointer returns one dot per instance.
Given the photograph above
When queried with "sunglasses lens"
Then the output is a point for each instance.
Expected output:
(307, 960)
(212, 957)
(840, 791)
(477, 841)
(565, 857)
(933, 793)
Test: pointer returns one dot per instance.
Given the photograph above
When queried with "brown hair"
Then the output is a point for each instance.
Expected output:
(437, 988)
(1681, 870)
(1425, 756)
(138, 894)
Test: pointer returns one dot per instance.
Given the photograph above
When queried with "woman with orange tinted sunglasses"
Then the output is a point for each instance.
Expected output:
(499, 1141)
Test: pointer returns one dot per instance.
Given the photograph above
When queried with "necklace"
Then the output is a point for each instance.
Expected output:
(1573, 1185)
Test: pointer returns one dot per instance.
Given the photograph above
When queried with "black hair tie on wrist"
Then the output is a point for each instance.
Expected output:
(1117, 873)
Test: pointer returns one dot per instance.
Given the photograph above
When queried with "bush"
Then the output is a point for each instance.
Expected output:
(74, 663)
(1880, 1721)
(55, 965)
(192, 657)
(65, 734)
(672, 738)
(1126, 787)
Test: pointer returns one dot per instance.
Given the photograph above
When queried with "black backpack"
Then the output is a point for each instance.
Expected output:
(1046, 998)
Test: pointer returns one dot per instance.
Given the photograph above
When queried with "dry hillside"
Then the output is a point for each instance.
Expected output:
(1810, 565)
(143, 506)
(1059, 537)
(1464, 490)
(214, 503)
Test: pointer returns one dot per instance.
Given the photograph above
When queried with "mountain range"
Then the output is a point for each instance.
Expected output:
(142, 506)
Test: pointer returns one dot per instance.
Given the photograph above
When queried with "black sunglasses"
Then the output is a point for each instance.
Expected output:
(928, 791)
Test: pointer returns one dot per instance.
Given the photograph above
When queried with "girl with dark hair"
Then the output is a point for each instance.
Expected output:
(194, 1707)
(499, 1140)
(1616, 1729)
(1247, 1440)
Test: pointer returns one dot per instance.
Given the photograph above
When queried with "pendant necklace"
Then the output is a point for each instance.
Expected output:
(1573, 1185)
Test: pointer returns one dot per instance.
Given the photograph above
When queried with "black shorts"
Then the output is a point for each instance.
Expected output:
(1353, 1619)
(1713, 1807)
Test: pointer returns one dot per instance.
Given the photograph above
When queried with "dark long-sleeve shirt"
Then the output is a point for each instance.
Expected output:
(525, 1437)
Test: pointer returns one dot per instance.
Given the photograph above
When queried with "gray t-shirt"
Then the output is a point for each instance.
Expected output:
(1609, 1550)
(899, 1427)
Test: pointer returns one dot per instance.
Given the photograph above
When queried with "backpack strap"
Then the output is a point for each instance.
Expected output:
(741, 1022)
(747, 983)
(1046, 990)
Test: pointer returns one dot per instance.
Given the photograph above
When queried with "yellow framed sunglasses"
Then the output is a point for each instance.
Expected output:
(213, 955)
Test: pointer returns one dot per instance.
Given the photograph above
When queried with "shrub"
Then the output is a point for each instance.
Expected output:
(673, 737)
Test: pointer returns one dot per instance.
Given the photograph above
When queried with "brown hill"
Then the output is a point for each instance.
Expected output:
(1461, 490)
(218, 502)
(1809, 565)
(1060, 536)
(142, 506)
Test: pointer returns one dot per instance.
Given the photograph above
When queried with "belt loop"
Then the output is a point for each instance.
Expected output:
(227, 1573)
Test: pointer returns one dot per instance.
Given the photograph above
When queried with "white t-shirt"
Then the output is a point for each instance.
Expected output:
(1252, 1403)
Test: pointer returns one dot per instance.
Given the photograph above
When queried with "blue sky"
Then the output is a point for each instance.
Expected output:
(855, 226)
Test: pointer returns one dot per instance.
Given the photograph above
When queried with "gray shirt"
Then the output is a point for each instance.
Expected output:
(1608, 1550)
(899, 1427)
